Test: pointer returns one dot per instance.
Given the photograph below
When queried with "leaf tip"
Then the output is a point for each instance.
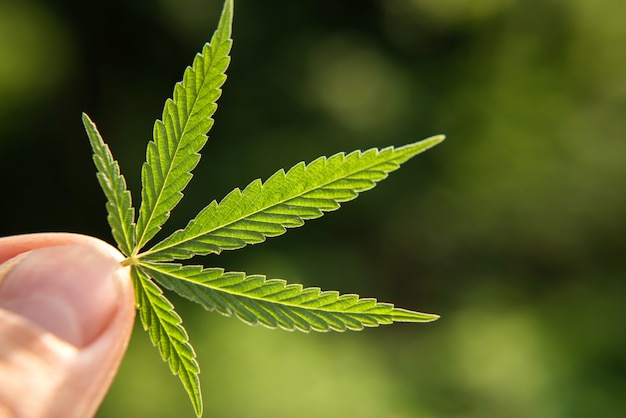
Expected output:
(405, 315)
(86, 119)
(422, 145)
(433, 140)
(197, 406)
(431, 317)
(226, 18)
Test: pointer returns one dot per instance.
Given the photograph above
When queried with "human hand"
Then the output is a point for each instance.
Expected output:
(66, 315)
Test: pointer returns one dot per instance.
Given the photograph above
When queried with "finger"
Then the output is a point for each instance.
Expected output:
(66, 313)
(17, 244)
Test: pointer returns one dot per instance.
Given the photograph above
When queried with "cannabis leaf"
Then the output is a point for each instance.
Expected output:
(261, 210)
(274, 303)
(121, 215)
(285, 200)
(181, 132)
(167, 333)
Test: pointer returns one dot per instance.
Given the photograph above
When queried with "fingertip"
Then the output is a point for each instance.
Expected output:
(66, 313)
(70, 291)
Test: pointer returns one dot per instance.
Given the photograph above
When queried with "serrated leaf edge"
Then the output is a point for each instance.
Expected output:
(120, 212)
(167, 334)
(173, 247)
(161, 190)
(276, 304)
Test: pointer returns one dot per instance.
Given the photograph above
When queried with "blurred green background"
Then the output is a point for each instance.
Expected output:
(512, 229)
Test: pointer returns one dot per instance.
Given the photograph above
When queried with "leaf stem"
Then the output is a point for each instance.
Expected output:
(130, 261)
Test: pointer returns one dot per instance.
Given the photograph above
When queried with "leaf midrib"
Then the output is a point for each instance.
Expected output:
(152, 266)
(183, 360)
(280, 202)
(191, 113)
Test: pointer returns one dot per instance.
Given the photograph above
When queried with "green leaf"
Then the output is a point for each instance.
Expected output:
(274, 303)
(283, 201)
(121, 215)
(181, 133)
(245, 217)
(167, 333)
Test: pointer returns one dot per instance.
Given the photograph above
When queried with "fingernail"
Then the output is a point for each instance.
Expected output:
(70, 291)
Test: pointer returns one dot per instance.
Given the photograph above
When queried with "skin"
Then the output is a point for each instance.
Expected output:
(67, 310)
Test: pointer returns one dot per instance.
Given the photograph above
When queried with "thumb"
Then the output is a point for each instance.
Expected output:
(66, 313)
